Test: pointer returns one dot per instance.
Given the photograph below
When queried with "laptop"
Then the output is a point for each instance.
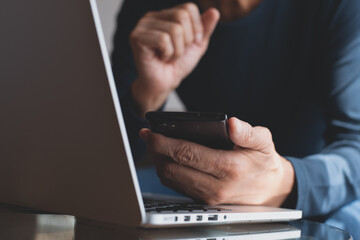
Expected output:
(63, 141)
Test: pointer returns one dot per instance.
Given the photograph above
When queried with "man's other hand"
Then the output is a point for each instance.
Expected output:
(167, 45)
(253, 173)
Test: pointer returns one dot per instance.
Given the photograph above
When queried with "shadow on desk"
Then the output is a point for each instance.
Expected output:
(17, 226)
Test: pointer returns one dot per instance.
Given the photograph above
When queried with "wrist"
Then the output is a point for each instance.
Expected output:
(146, 99)
(289, 175)
(287, 181)
(284, 183)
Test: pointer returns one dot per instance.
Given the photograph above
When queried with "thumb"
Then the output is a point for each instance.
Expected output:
(209, 20)
(246, 136)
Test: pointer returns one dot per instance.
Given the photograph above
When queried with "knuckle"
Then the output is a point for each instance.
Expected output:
(221, 195)
(176, 30)
(190, 6)
(234, 170)
(167, 171)
(224, 165)
(167, 52)
(180, 15)
(142, 21)
(248, 134)
(133, 36)
(149, 14)
(163, 38)
(184, 154)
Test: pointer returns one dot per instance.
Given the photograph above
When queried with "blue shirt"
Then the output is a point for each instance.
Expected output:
(291, 66)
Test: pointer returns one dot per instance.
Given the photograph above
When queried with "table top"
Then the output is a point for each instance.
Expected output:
(18, 224)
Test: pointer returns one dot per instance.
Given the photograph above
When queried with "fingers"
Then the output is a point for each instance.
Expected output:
(196, 21)
(188, 15)
(187, 180)
(246, 136)
(209, 20)
(183, 24)
(215, 162)
(174, 31)
(180, 17)
(156, 40)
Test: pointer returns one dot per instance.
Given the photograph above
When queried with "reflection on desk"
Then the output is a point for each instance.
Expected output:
(15, 224)
(223, 232)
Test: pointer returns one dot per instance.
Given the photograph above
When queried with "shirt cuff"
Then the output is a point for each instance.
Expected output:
(301, 187)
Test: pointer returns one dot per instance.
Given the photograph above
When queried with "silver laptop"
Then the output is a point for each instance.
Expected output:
(63, 142)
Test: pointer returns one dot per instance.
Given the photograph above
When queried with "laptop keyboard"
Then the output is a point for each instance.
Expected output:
(179, 207)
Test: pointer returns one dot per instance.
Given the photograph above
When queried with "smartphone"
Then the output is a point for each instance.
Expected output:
(208, 129)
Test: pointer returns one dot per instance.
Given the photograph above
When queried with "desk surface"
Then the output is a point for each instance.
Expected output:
(16, 224)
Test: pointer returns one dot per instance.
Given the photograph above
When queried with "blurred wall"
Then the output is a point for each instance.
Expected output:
(108, 10)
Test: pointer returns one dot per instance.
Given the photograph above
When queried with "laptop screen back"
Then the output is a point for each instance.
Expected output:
(61, 147)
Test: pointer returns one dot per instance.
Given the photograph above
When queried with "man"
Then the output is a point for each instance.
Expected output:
(289, 68)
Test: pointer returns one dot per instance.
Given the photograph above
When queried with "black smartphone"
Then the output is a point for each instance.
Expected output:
(208, 129)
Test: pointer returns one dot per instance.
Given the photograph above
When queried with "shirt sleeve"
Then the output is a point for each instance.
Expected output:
(330, 179)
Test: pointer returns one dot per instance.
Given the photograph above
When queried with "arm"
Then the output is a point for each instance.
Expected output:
(253, 173)
(331, 179)
(166, 46)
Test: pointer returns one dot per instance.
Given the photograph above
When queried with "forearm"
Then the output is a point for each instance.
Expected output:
(328, 180)
(133, 123)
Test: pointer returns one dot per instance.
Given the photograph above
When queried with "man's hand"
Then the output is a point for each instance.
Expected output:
(167, 45)
(253, 173)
